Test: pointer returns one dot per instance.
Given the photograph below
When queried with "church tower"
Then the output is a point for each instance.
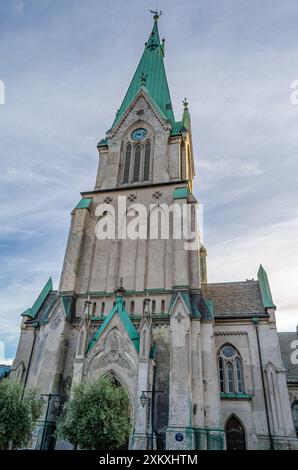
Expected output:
(146, 160)
(200, 362)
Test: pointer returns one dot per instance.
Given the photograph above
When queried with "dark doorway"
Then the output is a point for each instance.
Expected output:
(235, 435)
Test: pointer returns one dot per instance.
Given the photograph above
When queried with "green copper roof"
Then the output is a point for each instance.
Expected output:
(126, 321)
(186, 115)
(265, 288)
(177, 128)
(103, 142)
(181, 193)
(84, 203)
(190, 302)
(150, 73)
(31, 312)
(68, 305)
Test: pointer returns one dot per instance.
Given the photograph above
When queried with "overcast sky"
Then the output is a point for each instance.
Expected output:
(66, 65)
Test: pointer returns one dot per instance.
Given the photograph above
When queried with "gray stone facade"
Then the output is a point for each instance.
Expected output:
(167, 328)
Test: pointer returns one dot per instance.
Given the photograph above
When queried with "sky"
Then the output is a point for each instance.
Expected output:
(66, 65)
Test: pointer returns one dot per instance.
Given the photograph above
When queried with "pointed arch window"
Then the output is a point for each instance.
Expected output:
(239, 375)
(137, 164)
(230, 377)
(221, 374)
(295, 415)
(127, 164)
(147, 161)
(230, 370)
(235, 435)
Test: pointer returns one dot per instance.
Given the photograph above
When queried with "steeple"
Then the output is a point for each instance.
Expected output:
(151, 75)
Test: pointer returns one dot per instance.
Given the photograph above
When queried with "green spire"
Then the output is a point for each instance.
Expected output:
(186, 115)
(32, 311)
(265, 288)
(151, 75)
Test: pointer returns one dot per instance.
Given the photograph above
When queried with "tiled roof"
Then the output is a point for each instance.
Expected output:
(236, 299)
(285, 341)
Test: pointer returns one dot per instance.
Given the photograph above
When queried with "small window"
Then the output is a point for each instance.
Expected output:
(221, 374)
(127, 164)
(230, 378)
(239, 375)
(153, 306)
(147, 161)
(228, 351)
(103, 306)
(132, 307)
(162, 306)
(137, 164)
(94, 308)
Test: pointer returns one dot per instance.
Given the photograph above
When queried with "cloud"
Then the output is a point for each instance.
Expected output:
(275, 247)
(232, 168)
(18, 6)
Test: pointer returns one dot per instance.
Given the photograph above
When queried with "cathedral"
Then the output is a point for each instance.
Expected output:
(202, 363)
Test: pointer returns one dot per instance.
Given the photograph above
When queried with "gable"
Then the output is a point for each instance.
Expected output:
(152, 114)
(119, 310)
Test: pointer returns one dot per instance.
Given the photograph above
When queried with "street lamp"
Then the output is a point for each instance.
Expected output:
(143, 400)
(56, 406)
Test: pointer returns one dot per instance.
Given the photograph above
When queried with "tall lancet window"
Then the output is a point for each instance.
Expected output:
(137, 164)
(127, 164)
(230, 370)
(147, 161)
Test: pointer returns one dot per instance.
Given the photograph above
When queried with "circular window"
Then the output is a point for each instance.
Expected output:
(139, 134)
(228, 351)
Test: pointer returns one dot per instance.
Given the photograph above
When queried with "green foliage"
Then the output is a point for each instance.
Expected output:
(17, 414)
(97, 416)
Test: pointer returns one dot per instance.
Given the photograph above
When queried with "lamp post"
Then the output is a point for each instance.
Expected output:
(143, 400)
(56, 406)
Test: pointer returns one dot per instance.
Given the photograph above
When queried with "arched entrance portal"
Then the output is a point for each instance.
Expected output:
(126, 403)
(235, 435)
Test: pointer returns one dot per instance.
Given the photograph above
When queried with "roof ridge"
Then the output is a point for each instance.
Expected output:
(247, 281)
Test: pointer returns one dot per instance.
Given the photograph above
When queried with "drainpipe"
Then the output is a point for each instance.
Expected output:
(153, 409)
(255, 321)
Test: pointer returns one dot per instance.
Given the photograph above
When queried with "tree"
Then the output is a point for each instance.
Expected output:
(18, 414)
(97, 416)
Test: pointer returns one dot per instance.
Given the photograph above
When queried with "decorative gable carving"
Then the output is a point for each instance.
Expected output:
(141, 98)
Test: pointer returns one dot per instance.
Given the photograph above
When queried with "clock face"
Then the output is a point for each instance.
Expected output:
(139, 134)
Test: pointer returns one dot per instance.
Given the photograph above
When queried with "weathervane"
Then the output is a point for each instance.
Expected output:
(156, 14)
(185, 103)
